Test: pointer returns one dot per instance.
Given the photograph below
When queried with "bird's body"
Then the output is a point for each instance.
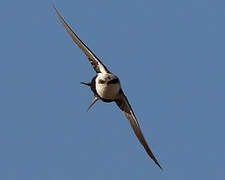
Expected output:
(106, 87)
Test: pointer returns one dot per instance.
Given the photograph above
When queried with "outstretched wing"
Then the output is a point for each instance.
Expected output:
(124, 105)
(95, 62)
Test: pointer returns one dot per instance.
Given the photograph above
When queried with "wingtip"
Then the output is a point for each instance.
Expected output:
(160, 168)
(159, 165)
(56, 10)
(53, 6)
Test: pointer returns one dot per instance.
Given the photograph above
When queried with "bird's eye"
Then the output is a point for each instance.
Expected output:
(101, 81)
(114, 81)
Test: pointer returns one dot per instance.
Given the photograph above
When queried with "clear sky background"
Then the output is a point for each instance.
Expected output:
(170, 57)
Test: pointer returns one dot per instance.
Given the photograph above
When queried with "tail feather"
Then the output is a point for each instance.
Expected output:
(92, 102)
(86, 83)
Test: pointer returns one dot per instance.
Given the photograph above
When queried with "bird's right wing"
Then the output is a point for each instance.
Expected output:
(98, 66)
(124, 105)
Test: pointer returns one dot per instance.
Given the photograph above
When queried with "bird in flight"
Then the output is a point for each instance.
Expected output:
(106, 87)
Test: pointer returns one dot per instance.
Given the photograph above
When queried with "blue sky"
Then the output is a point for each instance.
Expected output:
(170, 58)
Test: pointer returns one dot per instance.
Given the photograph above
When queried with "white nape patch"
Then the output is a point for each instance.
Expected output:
(104, 90)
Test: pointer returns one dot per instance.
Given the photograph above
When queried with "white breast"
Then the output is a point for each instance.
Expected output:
(107, 91)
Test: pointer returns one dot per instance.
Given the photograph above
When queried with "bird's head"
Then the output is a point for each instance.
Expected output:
(107, 78)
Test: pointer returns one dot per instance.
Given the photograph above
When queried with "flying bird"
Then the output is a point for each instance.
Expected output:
(106, 87)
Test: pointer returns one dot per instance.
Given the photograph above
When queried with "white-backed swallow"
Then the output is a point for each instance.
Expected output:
(106, 87)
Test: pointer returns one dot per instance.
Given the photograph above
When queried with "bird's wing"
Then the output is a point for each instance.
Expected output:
(95, 62)
(124, 105)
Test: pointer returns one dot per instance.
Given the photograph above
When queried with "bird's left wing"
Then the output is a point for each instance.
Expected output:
(98, 66)
(124, 105)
